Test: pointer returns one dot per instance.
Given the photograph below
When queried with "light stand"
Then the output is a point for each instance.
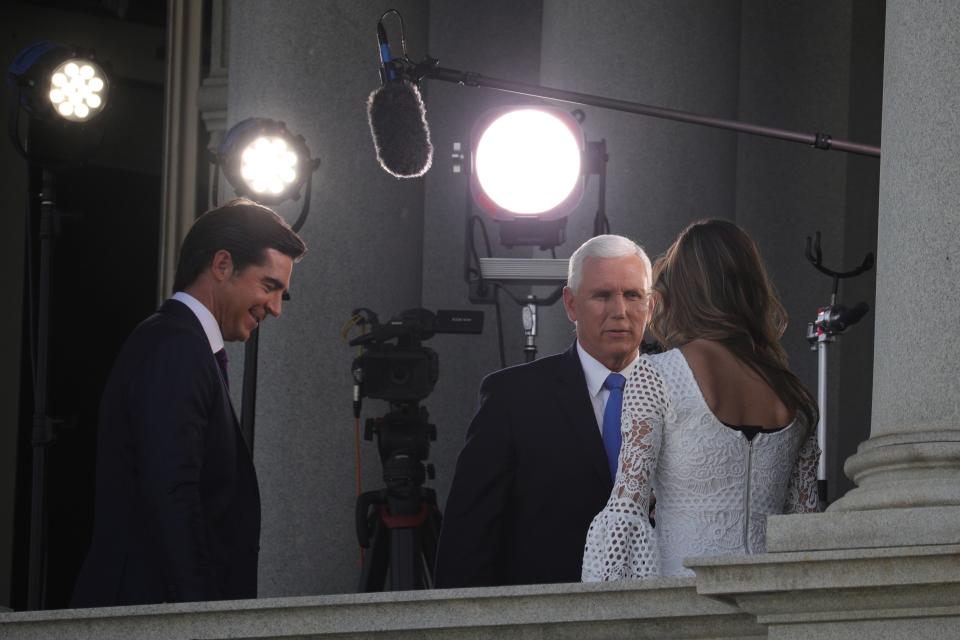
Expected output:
(62, 91)
(43, 424)
(831, 321)
(549, 271)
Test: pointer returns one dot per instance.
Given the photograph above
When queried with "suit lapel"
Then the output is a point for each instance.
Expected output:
(183, 313)
(572, 396)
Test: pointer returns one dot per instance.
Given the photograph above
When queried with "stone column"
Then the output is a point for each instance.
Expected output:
(212, 97)
(184, 40)
(912, 459)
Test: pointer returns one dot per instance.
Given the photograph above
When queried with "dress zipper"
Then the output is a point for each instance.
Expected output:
(746, 506)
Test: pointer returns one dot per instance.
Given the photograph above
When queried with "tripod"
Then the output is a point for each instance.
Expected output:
(831, 321)
(399, 525)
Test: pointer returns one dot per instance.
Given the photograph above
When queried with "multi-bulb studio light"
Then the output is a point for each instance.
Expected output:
(53, 80)
(62, 91)
(78, 89)
(264, 161)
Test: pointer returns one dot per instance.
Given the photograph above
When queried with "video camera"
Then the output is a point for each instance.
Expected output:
(406, 371)
(399, 524)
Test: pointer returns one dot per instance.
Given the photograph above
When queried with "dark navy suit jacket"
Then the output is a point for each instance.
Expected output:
(177, 510)
(529, 480)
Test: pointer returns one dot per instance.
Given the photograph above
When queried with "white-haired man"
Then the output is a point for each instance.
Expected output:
(541, 452)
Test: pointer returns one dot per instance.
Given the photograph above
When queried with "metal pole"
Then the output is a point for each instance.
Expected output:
(529, 312)
(823, 340)
(819, 140)
(42, 425)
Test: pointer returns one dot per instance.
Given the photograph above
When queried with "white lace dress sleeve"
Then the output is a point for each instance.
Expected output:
(621, 544)
(802, 496)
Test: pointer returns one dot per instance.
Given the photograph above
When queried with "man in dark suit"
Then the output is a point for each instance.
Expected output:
(539, 456)
(177, 505)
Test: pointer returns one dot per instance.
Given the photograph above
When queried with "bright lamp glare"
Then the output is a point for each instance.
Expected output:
(77, 90)
(268, 166)
(528, 161)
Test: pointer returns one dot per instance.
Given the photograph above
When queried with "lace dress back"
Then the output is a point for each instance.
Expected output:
(714, 487)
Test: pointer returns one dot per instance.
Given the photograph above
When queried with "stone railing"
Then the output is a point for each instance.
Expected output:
(663, 608)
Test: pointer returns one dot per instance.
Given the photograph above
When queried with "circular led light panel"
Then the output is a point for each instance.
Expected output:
(269, 165)
(78, 89)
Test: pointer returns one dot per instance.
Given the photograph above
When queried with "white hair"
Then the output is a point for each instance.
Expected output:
(605, 246)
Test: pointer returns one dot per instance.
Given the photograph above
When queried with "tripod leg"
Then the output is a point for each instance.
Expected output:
(373, 576)
(429, 534)
(405, 560)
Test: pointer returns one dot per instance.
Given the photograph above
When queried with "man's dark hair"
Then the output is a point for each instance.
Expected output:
(242, 227)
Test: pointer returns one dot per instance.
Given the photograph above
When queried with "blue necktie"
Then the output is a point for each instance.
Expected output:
(611, 420)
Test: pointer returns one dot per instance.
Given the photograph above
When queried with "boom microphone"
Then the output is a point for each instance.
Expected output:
(398, 124)
(398, 120)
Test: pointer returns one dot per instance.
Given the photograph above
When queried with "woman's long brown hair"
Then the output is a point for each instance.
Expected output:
(711, 283)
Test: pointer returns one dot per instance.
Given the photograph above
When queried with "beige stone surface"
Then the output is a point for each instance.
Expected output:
(663, 608)
(849, 593)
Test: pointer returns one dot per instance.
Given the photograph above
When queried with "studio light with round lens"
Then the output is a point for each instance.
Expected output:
(55, 82)
(527, 172)
(77, 89)
(264, 161)
(527, 163)
(269, 165)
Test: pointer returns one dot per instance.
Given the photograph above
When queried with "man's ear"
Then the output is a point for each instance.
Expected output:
(568, 304)
(222, 265)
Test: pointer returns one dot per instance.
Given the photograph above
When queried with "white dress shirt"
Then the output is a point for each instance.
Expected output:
(596, 374)
(209, 323)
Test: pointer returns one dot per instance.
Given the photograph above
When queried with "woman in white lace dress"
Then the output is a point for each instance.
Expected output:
(716, 427)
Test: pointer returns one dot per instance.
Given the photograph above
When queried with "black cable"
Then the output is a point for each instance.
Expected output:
(305, 209)
(472, 221)
(601, 224)
(510, 294)
(32, 189)
(13, 123)
(471, 242)
(30, 275)
(496, 306)
(496, 290)
(403, 32)
(470, 256)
